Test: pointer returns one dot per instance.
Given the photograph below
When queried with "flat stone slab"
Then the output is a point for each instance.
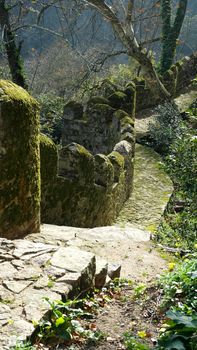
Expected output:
(31, 272)
(71, 236)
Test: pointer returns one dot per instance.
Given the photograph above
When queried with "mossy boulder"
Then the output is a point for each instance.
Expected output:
(73, 110)
(76, 163)
(19, 162)
(97, 100)
(102, 110)
(104, 171)
(118, 99)
(118, 163)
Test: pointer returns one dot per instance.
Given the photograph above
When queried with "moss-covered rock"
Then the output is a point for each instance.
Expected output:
(73, 110)
(97, 100)
(76, 163)
(104, 171)
(118, 99)
(19, 162)
(118, 163)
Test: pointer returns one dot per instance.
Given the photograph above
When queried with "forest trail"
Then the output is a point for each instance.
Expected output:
(151, 191)
(127, 242)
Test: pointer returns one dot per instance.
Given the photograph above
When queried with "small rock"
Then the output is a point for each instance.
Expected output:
(114, 271)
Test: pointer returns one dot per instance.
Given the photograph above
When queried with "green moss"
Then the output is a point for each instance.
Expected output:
(83, 151)
(19, 162)
(120, 114)
(104, 171)
(104, 108)
(127, 136)
(98, 100)
(12, 92)
(118, 99)
(116, 158)
(127, 121)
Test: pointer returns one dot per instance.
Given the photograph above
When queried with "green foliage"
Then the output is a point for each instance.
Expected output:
(51, 116)
(132, 343)
(122, 74)
(178, 229)
(23, 346)
(179, 226)
(64, 322)
(182, 165)
(194, 83)
(180, 334)
(193, 107)
(166, 127)
(179, 287)
(139, 290)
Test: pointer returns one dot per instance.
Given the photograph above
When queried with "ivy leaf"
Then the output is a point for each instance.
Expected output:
(172, 343)
(182, 319)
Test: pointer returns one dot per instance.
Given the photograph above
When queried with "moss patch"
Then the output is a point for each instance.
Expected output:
(19, 162)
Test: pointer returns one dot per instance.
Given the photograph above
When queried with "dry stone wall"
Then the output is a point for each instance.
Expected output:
(19, 162)
(95, 165)
(175, 80)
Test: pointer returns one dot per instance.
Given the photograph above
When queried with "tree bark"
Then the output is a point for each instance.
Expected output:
(12, 51)
(170, 33)
(125, 33)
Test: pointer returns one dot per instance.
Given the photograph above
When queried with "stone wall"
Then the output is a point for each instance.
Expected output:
(95, 165)
(97, 125)
(175, 80)
(19, 162)
(90, 188)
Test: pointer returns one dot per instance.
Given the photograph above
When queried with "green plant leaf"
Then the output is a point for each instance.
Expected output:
(181, 319)
(173, 342)
(59, 321)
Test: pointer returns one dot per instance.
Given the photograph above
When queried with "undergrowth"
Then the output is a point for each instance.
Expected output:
(174, 136)
(179, 227)
(177, 290)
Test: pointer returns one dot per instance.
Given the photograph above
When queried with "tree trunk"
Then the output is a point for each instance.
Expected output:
(170, 33)
(12, 51)
(125, 33)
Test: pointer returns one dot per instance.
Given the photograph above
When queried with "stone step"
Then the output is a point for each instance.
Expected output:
(30, 272)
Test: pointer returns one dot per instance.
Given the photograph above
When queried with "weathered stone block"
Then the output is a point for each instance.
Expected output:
(19, 162)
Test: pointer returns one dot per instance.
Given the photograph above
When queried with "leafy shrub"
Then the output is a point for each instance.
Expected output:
(132, 343)
(166, 127)
(182, 165)
(122, 74)
(180, 224)
(64, 323)
(51, 115)
(193, 106)
(180, 334)
(179, 229)
(179, 287)
(23, 346)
